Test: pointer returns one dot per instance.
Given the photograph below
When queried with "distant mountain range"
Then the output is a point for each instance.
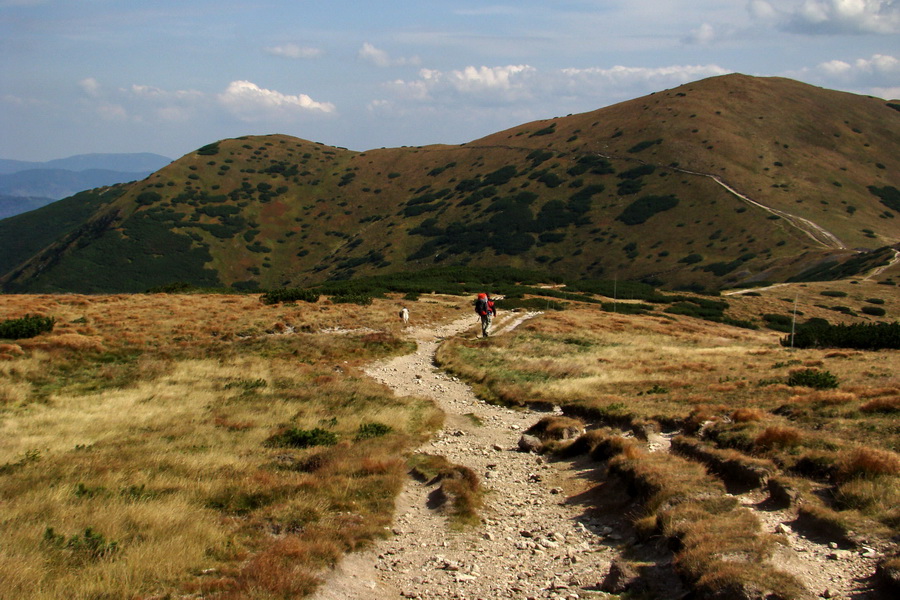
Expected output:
(723, 182)
(27, 185)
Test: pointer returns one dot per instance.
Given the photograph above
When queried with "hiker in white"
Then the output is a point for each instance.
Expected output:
(404, 315)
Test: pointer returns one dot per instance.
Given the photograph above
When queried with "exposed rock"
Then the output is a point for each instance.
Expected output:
(530, 443)
(622, 575)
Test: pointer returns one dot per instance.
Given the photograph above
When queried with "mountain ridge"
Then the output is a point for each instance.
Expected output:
(704, 186)
(132, 162)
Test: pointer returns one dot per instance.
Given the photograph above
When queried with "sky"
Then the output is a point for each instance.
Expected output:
(170, 76)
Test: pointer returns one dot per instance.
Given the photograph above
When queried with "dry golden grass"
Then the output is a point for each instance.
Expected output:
(867, 462)
(779, 437)
(729, 386)
(133, 460)
(747, 415)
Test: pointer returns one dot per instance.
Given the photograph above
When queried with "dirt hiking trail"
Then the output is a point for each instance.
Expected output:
(535, 539)
(549, 530)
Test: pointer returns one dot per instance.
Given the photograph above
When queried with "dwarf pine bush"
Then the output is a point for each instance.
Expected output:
(813, 378)
(28, 326)
(290, 295)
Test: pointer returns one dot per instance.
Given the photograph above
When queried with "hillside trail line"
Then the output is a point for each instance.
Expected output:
(535, 539)
(816, 232)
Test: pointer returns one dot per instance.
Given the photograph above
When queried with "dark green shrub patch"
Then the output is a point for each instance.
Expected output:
(641, 146)
(813, 378)
(500, 176)
(701, 308)
(351, 298)
(290, 295)
(645, 207)
(301, 438)
(597, 165)
(862, 336)
(372, 430)
(780, 323)
(146, 198)
(691, 259)
(637, 172)
(875, 311)
(545, 131)
(889, 196)
(209, 149)
(28, 326)
(629, 187)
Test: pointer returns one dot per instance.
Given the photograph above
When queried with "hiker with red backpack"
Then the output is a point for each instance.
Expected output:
(484, 306)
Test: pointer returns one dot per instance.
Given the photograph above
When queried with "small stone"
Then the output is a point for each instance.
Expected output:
(530, 443)
(867, 552)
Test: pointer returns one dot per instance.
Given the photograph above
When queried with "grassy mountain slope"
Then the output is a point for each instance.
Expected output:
(626, 192)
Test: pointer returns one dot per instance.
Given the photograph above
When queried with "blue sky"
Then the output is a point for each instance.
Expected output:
(84, 76)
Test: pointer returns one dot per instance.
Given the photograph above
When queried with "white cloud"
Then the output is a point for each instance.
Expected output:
(504, 84)
(762, 10)
(381, 58)
(525, 85)
(703, 35)
(294, 51)
(249, 102)
(877, 75)
(879, 65)
(830, 16)
(148, 91)
(90, 86)
(622, 78)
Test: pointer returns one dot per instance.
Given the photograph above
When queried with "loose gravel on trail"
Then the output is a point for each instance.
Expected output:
(532, 543)
(546, 532)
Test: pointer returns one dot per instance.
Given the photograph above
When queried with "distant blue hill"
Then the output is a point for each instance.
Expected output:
(59, 183)
(128, 163)
(35, 184)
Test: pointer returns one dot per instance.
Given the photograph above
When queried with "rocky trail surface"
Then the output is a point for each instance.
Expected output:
(549, 530)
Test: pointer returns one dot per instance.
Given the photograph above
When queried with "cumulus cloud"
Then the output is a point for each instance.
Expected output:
(503, 84)
(523, 84)
(876, 75)
(879, 67)
(830, 16)
(249, 102)
(381, 58)
(703, 35)
(620, 79)
(294, 51)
